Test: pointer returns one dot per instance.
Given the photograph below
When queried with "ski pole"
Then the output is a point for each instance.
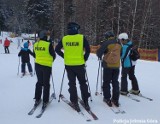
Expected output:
(54, 93)
(96, 93)
(88, 83)
(18, 66)
(34, 68)
(101, 79)
(61, 85)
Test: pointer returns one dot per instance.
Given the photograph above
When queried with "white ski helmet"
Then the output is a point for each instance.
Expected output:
(123, 36)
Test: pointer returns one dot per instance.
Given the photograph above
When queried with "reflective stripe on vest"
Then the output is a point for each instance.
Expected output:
(73, 49)
(43, 57)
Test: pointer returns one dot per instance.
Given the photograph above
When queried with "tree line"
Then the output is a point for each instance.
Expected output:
(139, 18)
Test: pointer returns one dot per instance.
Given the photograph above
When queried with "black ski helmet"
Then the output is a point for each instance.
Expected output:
(109, 34)
(43, 34)
(73, 25)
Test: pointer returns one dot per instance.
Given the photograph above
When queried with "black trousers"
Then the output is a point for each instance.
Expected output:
(110, 76)
(6, 48)
(43, 84)
(79, 72)
(131, 73)
(29, 67)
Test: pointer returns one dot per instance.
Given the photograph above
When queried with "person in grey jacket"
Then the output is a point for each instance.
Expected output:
(110, 68)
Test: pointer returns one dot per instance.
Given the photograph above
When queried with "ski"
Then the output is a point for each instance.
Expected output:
(119, 109)
(131, 97)
(41, 112)
(33, 109)
(70, 104)
(145, 97)
(114, 109)
(26, 75)
(44, 108)
(89, 111)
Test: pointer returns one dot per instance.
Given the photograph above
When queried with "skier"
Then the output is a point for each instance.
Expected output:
(18, 42)
(6, 45)
(74, 59)
(44, 57)
(25, 58)
(128, 66)
(110, 50)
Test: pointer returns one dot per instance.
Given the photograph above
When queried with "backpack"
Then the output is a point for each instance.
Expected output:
(134, 54)
(113, 55)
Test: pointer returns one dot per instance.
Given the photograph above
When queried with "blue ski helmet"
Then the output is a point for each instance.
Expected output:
(26, 45)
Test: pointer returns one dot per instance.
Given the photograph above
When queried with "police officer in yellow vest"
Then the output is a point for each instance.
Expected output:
(44, 57)
(74, 60)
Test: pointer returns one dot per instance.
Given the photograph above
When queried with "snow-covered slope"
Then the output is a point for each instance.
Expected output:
(16, 95)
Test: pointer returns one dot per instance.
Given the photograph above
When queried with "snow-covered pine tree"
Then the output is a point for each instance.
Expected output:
(39, 13)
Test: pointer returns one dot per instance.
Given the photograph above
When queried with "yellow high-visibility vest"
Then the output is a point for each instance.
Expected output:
(43, 57)
(73, 49)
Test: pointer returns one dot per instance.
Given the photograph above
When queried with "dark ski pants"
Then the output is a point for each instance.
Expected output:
(72, 73)
(24, 65)
(6, 49)
(124, 83)
(43, 84)
(110, 76)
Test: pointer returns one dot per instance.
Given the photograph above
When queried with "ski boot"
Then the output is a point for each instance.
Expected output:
(76, 107)
(135, 92)
(108, 102)
(86, 105)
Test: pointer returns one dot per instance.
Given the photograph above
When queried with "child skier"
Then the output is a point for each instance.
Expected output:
(25, 58)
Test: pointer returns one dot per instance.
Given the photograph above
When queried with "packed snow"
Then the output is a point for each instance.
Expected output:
(17, 94)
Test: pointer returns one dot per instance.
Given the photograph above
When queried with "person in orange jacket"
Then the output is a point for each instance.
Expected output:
(6, 45)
